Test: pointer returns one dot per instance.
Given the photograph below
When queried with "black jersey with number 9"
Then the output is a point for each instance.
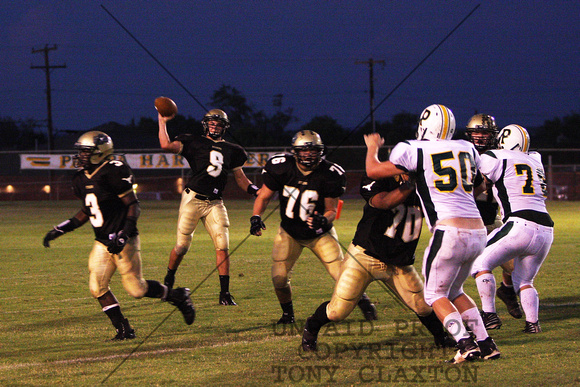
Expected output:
(210, 162)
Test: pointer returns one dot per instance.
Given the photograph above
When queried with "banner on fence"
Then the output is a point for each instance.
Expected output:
(135, 160)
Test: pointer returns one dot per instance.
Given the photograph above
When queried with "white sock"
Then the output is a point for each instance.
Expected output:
(454, 325)
(473, 320)
(530, 304)
(486, 288)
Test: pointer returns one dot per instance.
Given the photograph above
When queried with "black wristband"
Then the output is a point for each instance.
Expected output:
(252, 189)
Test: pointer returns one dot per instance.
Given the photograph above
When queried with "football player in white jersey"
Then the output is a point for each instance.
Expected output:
(527, 234)
(446, 173)
(482, 131)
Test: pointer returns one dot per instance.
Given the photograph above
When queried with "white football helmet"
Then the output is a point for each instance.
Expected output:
(93, 148)
(514, 137)
(436, 122)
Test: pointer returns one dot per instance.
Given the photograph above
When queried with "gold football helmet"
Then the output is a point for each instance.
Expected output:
(217, 131)
(482, 132)
(93, 148)
(307, 148)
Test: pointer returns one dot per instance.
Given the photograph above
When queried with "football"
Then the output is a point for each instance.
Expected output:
(165, 106)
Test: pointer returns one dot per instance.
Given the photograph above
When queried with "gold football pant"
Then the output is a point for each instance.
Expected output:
(102, 266)
(360, 269)
(214, 216)
(287, 250)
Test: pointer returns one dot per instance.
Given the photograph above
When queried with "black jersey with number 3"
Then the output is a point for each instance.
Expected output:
(210, 162)
(300, 195)
(101, 193)
(390, 236)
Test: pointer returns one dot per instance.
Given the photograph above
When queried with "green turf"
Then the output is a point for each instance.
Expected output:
(53, 332)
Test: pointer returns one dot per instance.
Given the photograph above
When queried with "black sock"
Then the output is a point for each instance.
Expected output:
(433, 325)
(225, 283)
(318, 319)
(287, 308)
(115, 315)
(155, 289)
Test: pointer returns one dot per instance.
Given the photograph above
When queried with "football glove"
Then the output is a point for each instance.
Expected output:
(318, 221)
(256, 225)
(252, 189)
(117, 242)
(52, 235)
(61, 229)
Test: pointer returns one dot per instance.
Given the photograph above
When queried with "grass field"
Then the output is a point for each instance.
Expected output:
(53, 332)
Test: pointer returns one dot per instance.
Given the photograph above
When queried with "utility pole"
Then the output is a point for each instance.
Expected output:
(370, 63)
(47, 67)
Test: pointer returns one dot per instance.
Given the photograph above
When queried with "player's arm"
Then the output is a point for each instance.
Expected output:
(376, 169)
(164, 141)
(244, 183)
(390, 199)
(260, 205)
(317, 220)
(117, 244)
(67, 226)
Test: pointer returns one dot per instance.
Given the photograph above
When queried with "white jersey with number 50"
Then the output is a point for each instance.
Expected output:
(446, 171)
(519, 180)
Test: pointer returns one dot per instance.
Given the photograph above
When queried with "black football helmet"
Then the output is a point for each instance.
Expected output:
(307, 148)
(93, 148)
(219, 130)
(482, 132)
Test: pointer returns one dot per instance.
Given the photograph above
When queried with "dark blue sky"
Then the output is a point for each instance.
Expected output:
(517, 60)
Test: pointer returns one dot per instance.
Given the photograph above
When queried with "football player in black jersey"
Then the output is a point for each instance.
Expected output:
(482, 131)
(210, 159)
(383, 248)
(105, 187)
(309, 188)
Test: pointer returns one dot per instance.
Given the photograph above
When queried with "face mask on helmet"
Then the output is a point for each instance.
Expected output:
(307, 148)
(436, 122)
(215, 123)
(514, 137)
(93, 149)
(482, 132)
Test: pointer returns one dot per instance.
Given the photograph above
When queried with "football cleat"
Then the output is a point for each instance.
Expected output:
(124, 332)
(286, 318)
(488, 349)
(368, 308)
(532, 327)
(181, 299)
(509, 298)
(490, 320)
(309, 339)
(467, 350)
(227, 299)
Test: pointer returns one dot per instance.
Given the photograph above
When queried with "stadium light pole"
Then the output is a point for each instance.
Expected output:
(370, 63)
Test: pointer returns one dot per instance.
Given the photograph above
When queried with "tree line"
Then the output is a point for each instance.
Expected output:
(254, 128)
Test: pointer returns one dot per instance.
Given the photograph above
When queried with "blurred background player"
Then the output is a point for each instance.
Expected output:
(211, 159)
(447, 172)
(383, 248)
(309, 188)
(527, 234)
(105, 187)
